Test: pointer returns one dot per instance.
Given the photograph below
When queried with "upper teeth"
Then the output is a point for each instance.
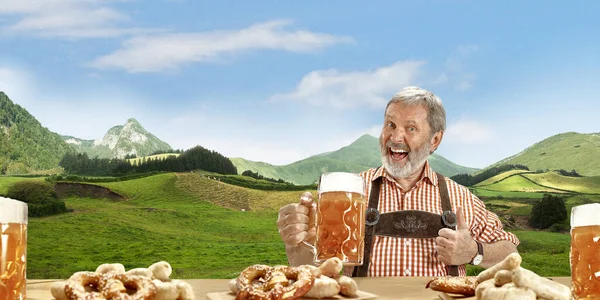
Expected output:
(398, 151)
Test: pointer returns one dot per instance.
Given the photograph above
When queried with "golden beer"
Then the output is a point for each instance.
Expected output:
(585, 251)
(585, 262)
(341, 227)
(13, 243)
(340, 218)
(13, 249)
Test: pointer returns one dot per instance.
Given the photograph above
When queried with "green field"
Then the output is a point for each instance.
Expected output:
(588, 185)
(518, 183)
(482, 192)
(209, 229)
(500, 177)
(159, 222)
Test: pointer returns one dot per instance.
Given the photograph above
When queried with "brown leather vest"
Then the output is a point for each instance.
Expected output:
(404, 223)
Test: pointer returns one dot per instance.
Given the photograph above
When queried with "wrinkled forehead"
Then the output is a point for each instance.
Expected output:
(400, 110)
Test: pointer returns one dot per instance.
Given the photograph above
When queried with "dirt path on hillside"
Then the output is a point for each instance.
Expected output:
(67, 189)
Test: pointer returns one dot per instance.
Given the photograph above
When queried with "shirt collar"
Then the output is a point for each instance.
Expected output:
(429, 174)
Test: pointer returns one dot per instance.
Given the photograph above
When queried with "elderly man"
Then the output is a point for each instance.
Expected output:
(406, 186)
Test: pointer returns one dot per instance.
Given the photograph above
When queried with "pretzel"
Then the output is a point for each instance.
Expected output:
(304, 281)
(116, 285)
(273, 285)
(464, 285)
(78, 284)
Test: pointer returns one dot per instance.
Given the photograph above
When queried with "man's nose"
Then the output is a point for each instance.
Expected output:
(398, 135)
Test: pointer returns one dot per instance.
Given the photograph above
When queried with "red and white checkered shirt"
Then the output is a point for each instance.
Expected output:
(393, 256)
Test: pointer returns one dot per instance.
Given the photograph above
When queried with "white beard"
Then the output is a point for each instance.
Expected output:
(415, 161)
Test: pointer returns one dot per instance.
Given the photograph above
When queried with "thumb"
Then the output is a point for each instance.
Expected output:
(460, 219)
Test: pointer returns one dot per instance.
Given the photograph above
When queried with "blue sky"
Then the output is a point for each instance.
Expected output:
(277, 81)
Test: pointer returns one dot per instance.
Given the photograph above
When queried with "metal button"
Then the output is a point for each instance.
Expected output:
(371, 216)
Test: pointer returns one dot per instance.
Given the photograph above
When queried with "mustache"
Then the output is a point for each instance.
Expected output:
(400, 146)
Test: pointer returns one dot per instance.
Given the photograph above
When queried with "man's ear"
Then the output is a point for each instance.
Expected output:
(435, 140)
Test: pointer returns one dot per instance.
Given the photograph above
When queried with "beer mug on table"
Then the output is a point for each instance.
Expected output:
(585, 251)
(13, 249)
(340, 219)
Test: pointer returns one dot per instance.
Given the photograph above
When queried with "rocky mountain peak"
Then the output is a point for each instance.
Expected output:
(121, 140)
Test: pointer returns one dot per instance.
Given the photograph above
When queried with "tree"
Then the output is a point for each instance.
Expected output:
(548, 211)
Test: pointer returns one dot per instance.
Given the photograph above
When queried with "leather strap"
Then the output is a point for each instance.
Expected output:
(372, 215)
(448, 217)
(407, 224)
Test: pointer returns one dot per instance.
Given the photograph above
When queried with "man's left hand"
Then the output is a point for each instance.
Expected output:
(456, 247)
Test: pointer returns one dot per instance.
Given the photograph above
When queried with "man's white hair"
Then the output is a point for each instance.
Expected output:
(412, 96)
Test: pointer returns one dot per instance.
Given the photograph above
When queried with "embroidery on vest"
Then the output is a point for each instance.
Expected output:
(411, 224)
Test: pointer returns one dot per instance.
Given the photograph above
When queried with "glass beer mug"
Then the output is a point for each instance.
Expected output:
(585, 251)
(340, 219)
(13, 249)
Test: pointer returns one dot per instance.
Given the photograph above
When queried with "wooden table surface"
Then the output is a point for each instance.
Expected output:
(383, 287)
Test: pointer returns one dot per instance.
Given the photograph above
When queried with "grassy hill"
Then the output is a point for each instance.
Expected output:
(568, 151)
(500, 177)
(166, 217)
(547, 182)
(361, 155)
(519, 183)
(588, 185)
(25, 145)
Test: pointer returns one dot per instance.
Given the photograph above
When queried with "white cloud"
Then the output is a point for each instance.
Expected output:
(66, 18)
(169, 51)
(468, 132)
(456, 66)
(353, 89)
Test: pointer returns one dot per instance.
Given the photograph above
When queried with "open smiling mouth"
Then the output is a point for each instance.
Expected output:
(397, 154)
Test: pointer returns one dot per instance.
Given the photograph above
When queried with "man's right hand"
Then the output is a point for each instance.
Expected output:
(296, 222)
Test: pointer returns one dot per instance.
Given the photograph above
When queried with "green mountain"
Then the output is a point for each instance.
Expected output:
(567, 151)
(362, 154)
(119, 141)
(26, 146)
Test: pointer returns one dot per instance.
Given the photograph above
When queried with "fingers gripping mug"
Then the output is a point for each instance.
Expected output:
(340, 219)
(13, 249)
(585, 251)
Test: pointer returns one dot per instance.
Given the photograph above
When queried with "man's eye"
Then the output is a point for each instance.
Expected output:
(391, 125)
(412, 129)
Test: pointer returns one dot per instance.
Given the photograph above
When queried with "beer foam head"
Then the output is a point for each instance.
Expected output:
(585, 215)
(12, 211)
(342, 182)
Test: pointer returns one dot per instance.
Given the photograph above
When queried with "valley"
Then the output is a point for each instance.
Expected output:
(210, 229)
